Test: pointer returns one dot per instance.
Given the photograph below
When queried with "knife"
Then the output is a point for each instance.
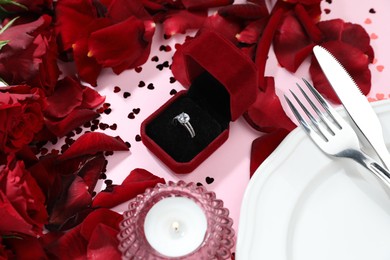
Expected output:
(354, 102)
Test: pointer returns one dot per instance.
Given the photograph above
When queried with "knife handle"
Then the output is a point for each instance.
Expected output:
(383, 154)
(379, 171)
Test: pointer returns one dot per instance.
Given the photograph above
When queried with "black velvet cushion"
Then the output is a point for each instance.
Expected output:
(208, 105)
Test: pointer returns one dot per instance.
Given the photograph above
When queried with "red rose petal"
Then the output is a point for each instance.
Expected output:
(229, 29)
(135, 183)
(70, 15)
(111, 49)
(308, 23)
(70, 246)
(204, 4)
(354, 61)
(263, 146)
(75, 119)
(75, 199)
(26, 247)
(87, 67)
(11, 221)
(267, 114)
(67, 96)
(264, 45)
(91, 171)
(103, 244)
(353, 34)
(182, 20)
(93, 142)
(91, 98)
(251, 33)
(120, 10)
(99, 216)
(291, 44)
(244, 11)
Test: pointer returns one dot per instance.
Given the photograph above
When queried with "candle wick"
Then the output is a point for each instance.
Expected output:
(176, 226)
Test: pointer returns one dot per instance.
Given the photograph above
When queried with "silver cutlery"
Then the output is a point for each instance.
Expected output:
(331, 133)
(354, 102)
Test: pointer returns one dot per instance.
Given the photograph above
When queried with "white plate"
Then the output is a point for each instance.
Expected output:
(303, 205)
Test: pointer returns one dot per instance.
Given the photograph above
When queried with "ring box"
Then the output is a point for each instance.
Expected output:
(223, 86)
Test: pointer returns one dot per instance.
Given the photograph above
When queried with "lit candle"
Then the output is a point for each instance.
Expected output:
(175, 226)
(176, 220)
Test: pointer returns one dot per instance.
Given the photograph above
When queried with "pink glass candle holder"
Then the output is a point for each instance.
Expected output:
(176, 221)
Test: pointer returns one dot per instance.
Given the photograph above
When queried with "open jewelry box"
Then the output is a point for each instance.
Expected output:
(223, 86)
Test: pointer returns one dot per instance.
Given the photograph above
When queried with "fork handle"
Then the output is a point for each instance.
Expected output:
(370, 164)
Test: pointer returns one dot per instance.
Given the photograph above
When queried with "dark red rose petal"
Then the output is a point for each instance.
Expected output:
(267, 114)
(75, 119)
(251, 33)
(353, 34)
(67, 96)
(244, 11)
(70, 15)
(91, 171)
(99, 216)
(308, 23)
(87, 67)
(111, 49)
(75, 199)
(229, 29)
(263, 146)
(26, 247)
(204, 4)
(11, 221)
(69, 246)
(179, 21)
(103, 243)
(264, 45)
(354, 61)
(135, 183)
(291, 44)
(91, 98)
(93, 142)
(120, 10)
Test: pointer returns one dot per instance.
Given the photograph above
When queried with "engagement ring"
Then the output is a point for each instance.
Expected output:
(184, 120)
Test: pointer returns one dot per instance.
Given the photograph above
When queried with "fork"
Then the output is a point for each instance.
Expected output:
(331, 133)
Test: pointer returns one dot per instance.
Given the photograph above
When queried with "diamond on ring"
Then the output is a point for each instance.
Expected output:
(184, 120)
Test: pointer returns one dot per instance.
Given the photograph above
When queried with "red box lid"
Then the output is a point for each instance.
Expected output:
(233, 68)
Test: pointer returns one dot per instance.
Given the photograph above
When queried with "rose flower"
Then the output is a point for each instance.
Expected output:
(20, 116)
(30, 54)
(21, 200)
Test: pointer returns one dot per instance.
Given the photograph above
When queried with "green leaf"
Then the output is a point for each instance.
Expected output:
(11, 2)
(8, 25)
(3, 81)
(3, 43)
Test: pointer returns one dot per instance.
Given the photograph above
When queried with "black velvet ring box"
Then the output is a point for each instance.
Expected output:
(223, 86)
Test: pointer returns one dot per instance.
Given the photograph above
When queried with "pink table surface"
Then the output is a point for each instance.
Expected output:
(226, 172)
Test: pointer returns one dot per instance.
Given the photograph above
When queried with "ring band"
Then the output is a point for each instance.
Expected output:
(184, 120)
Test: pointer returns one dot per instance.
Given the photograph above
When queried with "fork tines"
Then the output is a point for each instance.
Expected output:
(322, 117)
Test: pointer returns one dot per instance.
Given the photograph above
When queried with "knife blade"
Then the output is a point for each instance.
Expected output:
(355, 103)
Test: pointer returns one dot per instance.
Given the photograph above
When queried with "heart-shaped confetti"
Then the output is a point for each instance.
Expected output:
(373, 36)
(209, 180)
(136, 110)
(368, 21)
(380, 68)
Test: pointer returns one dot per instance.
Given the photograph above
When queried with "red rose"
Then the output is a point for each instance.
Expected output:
(21, 200)
(30, 55)
(21, 118)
